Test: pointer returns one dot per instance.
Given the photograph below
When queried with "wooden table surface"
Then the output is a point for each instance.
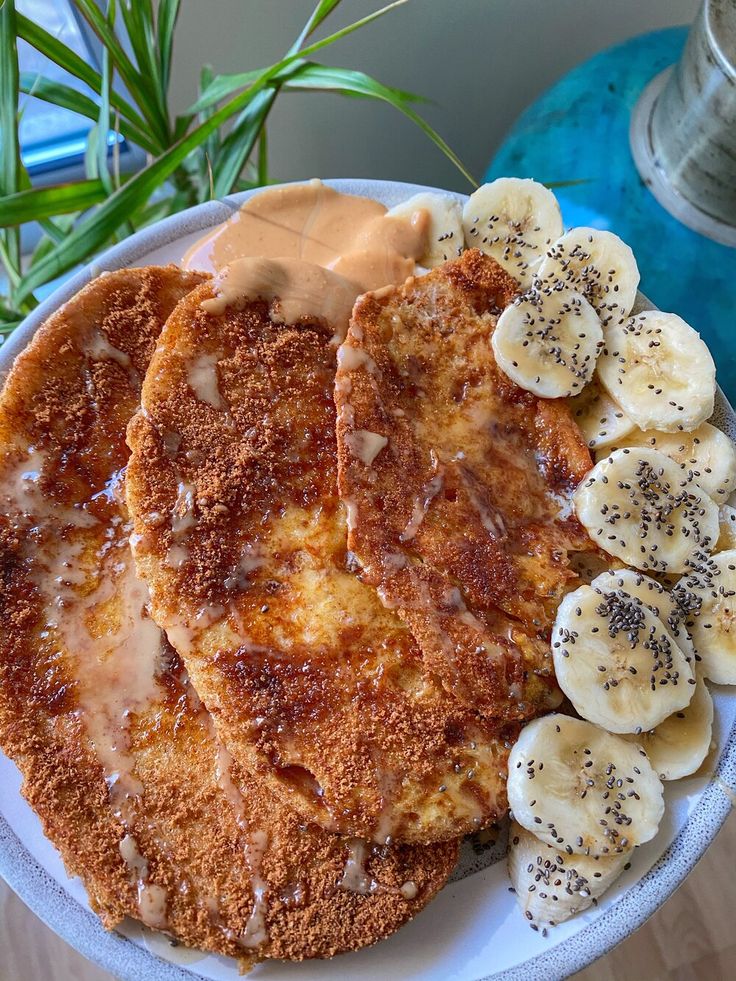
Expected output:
(692, 938)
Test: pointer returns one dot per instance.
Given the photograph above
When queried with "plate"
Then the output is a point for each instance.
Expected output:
(473, 931)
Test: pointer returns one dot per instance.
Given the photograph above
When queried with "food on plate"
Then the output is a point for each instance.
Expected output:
(312, 684)
(551, 884)
(513, 220)
(547, 341)
(602, 421)
(616, 660)
(706, 455)
(385, 573)
(580, 788)
(660, 371)
(678, 745)
(640, 507)
(118, 756)
(708, 597)
(657, 597)
(598, 265)
(445, 231)
(461, 518)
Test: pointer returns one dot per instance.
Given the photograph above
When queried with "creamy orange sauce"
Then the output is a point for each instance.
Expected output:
(312, 248)
(349, 235)
(302, 289)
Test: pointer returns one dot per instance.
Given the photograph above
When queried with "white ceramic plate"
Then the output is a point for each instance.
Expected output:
(473, 930)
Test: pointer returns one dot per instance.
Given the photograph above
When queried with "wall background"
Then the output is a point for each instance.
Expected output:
(480, 61)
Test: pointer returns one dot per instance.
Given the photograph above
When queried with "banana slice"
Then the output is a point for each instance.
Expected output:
(727, 528)
(678, 746)
(445, 235)
(601, 420)
(513, 220)
(582, 789)
(598, 264)
(617, 662)
(660, 372)
(550, 885)
(548, 343)
(710, 597)
(638, 505)
(706, 454)
(659, 600)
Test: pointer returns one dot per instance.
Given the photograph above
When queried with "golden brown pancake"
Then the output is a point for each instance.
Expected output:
(458, 484)
(312, 684)
(118, 756)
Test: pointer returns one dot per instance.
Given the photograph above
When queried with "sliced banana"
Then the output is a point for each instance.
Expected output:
(709, 596)
(617, 662)
(659, 600)
(598, 264)
(639, 506)
(551, 885)
(548, 343)
(727, 528)
(445, 233)
(580, 788)
(601, 420)
(513, 220)
(678, 746)
(705, 454)
(660, 371)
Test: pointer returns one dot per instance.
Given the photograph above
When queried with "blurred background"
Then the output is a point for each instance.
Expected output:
(481, 62)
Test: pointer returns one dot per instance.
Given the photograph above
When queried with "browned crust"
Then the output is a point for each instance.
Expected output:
(312, 684)
(76, 410)
(485, 456)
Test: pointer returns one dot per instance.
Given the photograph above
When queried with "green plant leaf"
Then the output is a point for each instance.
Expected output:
(220, 88)
(55, 232)
(224, 85)
(102, 130)
(168, 14)
(138, 18)
(239, 143)
(93, 231)
(45, 202)
(323, 9)
(10, 164)
(67, 97)
(346, 81)
(141, 88)
(70, 61)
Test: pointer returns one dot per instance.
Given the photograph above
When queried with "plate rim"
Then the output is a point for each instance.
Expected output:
(82, 929)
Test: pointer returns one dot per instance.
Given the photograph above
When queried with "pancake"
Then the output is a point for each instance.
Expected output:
(312, 684)
(119, 758)
(458, 484)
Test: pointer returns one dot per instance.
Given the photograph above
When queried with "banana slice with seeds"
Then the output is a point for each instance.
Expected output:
(660, 372)
(639, 506)
(513, 220)
(548, 343)
(659, 600)
(599, 265)
(709, 598)
(601, 420)
(582, 789)
(445, 234)
(678, 746)
(705, 454)
(550, 885)
(617, 662)
(727, 528)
